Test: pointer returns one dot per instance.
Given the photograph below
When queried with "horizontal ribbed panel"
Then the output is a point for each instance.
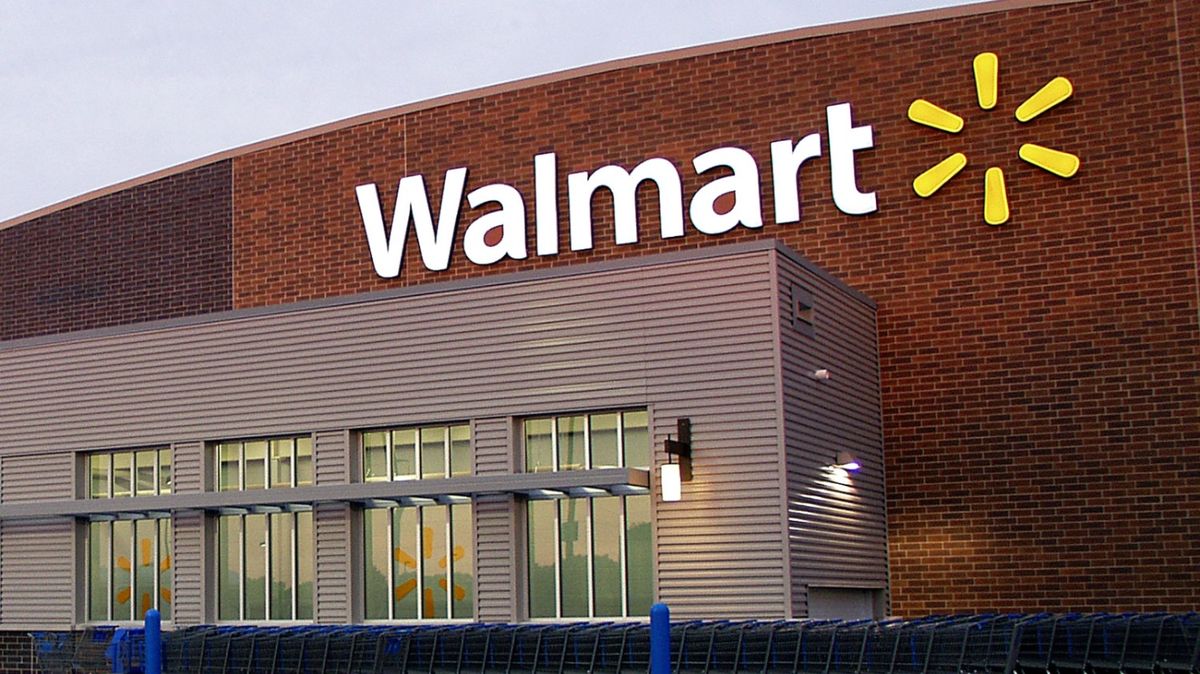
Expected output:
(331, 523)
(837, 526)
(690, 338)
(495, 566)
(36, 477)
(36, 566)
(187, 467)
(331, 454)
(188, 559)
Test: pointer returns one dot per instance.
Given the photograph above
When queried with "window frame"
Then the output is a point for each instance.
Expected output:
(110, 575)
(110, 491)
(418, 465)
(214, 455)
(296, 547)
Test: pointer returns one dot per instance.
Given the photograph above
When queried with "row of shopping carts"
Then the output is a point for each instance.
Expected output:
(977, 644)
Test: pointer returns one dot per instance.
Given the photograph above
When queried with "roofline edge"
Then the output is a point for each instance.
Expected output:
(873, 23)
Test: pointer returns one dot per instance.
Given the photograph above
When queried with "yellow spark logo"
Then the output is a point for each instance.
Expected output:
(995, 197)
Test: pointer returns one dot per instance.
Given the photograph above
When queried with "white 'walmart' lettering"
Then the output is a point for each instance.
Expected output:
(741, 182)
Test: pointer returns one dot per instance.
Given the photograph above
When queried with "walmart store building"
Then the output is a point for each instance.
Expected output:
(426, 364)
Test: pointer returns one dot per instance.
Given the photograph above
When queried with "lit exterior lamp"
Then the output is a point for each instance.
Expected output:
(846, 461)
(673, 475)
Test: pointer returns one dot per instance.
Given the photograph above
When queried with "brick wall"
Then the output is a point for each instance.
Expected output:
(16, 653)
(159, 250)
(1041, 391)
(1041, 381)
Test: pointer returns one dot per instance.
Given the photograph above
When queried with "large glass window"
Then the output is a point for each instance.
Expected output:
(581, 441)
(144, 472)
(265, 566)
(417, 453)
(264, 560)
(589, 557)
(263, 464)
(420, 562)
(129, 569)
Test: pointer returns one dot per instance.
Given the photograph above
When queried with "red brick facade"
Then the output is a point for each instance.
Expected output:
(1041, 379)
(158, 250)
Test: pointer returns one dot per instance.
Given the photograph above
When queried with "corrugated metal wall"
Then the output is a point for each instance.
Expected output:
(684, 338)
(188, 559)
(836, 521)
(37, 557)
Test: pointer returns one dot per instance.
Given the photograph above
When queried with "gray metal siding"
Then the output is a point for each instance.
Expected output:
(495, 525)
(837, 527)
(37, 477)
(331, 527)
(187, 467)
(691, 338)
(37, 567)
(188, 563)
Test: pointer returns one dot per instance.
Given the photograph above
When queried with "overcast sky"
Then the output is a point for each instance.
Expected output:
(93, 93)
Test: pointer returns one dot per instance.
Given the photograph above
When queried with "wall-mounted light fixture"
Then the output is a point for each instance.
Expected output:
(821, 374)
(846, 461)
(673, 475)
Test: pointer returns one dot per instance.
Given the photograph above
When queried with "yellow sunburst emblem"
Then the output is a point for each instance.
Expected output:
(995, 197)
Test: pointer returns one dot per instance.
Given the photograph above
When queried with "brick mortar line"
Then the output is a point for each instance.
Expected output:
(1187, 155)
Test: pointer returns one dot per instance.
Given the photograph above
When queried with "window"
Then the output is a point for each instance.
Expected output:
(417, 453)
(129, 569)
(145, 472)
(420, 563)
(577, 567)
(265, 566)
(264, 464)
(608, 440)
(264, 560)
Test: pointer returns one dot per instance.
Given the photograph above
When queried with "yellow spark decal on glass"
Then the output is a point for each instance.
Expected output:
(1061, 164)
(995, 199)
(1056, 91)
(986, 69)
(987, 72)
(923, 112)
(932, 180)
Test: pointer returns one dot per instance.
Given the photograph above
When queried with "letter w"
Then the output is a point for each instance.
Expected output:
(412, 203)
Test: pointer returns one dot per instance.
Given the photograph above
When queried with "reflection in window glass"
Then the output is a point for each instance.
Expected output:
(122, 570)
(375, 461)
(433, 545)
(304, 564)
(377, 555)
(572, 450)
(404, 454)
(543, 557)
(128, 569)
(539, 445)
(99, 563)
(281, 463)
(460, 451)
(573, 541)
(462, 559)
(122, 474)
(427, 452)
(637, 439)
(606, 553)
(252, 546)
(433, 452)
(432, 576)
(640, 556)
(229, 568)
(145, 463)
(603, 441)
(99, 466)
(282, 582)
(255, 454)
(254, 577)
(304, 461)
(406, 553)
(593, 551)
(164, 471)
(229, 471)
(165, 564)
